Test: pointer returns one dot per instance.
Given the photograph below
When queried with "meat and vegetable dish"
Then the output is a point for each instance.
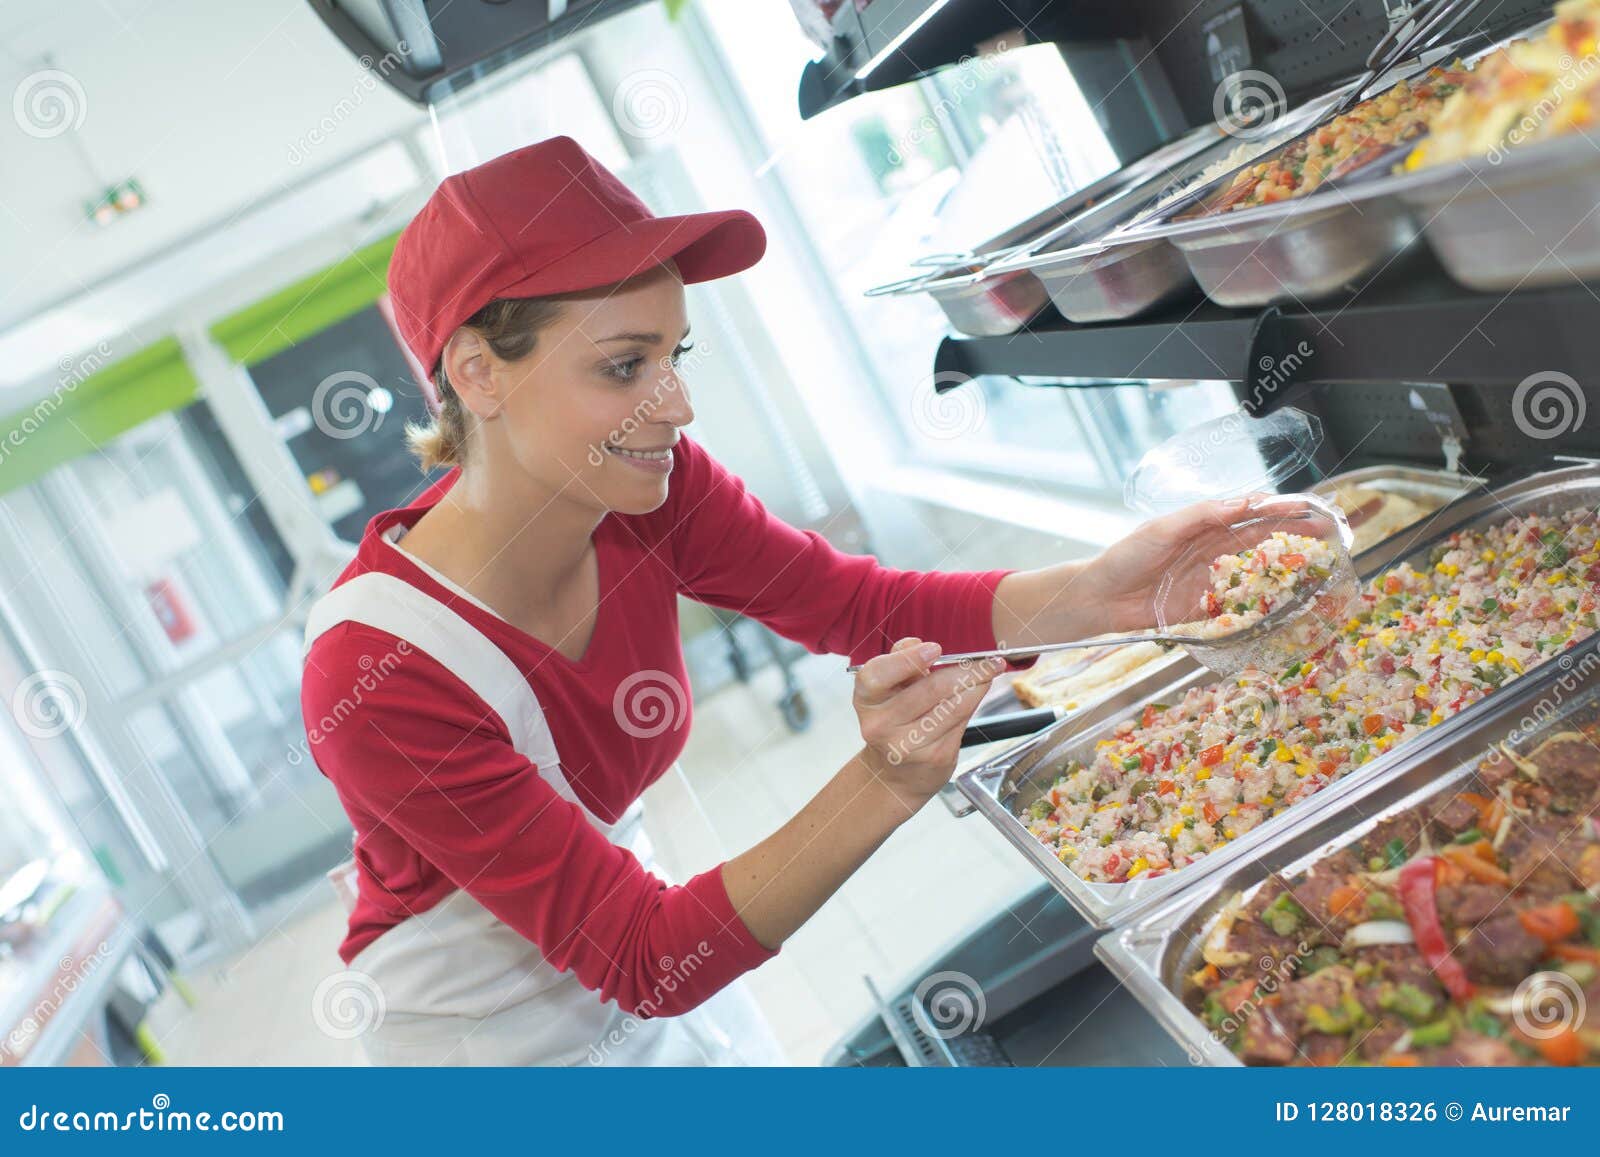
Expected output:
(1465, 931)
(1183, 779)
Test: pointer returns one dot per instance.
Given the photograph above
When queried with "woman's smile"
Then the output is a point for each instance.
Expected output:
(650, 461)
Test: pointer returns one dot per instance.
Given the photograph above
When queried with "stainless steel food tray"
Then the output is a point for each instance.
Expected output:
(1300, 249)
(1091, 278)
(982, 302)
(1153, 955)
(1002, 787)
(1526, 219)
(1432, 488)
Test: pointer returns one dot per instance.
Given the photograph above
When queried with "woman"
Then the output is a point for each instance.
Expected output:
(497, 677)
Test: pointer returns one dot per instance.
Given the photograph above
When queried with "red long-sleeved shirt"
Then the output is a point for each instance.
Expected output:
(441, 800)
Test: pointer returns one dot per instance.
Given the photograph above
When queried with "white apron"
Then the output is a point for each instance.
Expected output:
(458, 986)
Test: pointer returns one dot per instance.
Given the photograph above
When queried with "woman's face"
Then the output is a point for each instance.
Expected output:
(593, 411)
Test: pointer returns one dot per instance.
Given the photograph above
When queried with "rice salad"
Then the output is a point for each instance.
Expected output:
(1183, 779)
(1251, 584)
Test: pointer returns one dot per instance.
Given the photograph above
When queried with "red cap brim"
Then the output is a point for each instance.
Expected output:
(705, 246)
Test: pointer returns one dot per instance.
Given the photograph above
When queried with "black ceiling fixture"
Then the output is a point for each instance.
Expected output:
(424, 49)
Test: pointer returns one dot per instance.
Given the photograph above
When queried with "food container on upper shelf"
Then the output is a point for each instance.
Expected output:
(1266, 234)
(1092, 273)
(981, 299)
(1329, 913)
(1090, 797)
(1509, 177)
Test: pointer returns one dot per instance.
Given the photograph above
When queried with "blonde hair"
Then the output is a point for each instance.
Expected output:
(510, 325)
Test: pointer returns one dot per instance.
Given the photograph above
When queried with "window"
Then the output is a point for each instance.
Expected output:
(938, 166)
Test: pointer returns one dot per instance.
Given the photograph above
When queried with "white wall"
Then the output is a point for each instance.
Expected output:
(208, 105)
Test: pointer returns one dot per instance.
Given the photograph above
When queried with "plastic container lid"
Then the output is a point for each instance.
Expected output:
(1223, 458)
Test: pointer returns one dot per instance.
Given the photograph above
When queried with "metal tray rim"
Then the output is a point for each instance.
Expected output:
(1132, 950)
(980, 784)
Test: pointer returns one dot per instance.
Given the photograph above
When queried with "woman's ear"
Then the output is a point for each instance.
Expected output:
(467, 365)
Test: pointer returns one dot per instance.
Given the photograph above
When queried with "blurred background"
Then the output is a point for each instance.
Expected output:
(202, 402)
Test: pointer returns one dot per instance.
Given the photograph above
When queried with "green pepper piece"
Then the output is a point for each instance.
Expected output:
(1437, 1033)
(1395, 852)
(1408, 1001)
(1382, 906)
(1320, 958)
(1284, 916)
(1132, 763)
(1486, 1023)
(1411, 671)
(1040, 809)
(1470, 836)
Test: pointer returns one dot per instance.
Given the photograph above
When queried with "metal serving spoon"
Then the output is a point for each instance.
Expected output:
(1164, 638)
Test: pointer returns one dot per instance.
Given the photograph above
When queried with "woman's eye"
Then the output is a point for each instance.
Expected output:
(677, 354)
(624, 369)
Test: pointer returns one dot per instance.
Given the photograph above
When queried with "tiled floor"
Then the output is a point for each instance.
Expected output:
(744, 774)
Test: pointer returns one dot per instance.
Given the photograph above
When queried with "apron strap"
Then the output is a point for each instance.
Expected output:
(425, 624)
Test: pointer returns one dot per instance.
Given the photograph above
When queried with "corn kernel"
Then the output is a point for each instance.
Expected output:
(1175, 830)
(1476, 656)
(1228, 833)
(1435, 719)
(1514, 665)
(1202, 775)
(1186, 809)
(1139, 865)
(1488, 556)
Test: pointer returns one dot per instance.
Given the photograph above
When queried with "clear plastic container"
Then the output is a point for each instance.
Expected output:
(1232, 456)
(1273, 601)
(1226, 457)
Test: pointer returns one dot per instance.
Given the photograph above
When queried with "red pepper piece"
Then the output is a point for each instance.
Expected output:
(1418, 896)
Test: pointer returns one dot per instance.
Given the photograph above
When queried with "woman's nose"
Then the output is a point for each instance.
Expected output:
(675, 405)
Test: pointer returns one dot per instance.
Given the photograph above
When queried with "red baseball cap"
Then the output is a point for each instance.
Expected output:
(544, 219)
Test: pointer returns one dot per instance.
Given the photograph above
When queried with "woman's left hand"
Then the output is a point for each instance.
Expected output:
(1125, 578)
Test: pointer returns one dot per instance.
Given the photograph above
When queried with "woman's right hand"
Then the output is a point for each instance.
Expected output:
(912, 718)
